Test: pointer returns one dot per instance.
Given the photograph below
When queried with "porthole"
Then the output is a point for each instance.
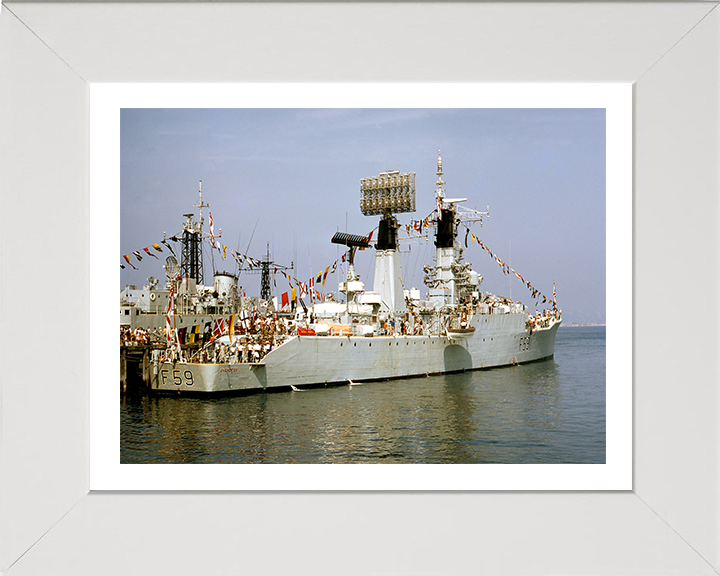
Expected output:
(355, 344)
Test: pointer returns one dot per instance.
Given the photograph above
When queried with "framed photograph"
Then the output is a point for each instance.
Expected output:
(300, 140)
(70, 504)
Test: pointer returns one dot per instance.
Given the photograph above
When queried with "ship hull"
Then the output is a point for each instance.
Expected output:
(499, 340)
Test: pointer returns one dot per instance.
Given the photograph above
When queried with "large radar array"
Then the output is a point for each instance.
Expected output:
(389, 193)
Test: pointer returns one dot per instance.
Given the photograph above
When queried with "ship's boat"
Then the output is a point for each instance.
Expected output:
(384, 333)
(459, 333)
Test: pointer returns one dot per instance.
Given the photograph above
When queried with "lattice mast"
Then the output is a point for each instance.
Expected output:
(266, 266)
(191, 263)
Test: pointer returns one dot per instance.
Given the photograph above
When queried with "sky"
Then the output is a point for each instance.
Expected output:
(290, 178)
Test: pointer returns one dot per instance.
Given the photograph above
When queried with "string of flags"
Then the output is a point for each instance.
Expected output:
(147, 252)
(252, 263)
(298, 289)
(507, 270)
(240, 258)
(418, 225)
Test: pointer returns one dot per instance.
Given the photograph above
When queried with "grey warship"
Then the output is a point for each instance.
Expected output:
(195, 303)
(385, 333)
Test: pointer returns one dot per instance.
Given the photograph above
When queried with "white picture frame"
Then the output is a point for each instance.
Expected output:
(106, 470)
(667, 524)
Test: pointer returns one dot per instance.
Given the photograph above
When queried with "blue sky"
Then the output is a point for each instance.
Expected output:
(293, 176)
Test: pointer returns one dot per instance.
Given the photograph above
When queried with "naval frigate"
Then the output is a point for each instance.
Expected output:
(381, 334)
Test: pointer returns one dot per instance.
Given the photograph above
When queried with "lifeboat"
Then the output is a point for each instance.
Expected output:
(461, 333)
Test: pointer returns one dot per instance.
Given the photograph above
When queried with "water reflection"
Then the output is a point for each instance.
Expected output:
(486, 416)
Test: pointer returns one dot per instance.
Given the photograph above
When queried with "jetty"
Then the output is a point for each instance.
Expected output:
(135, 364)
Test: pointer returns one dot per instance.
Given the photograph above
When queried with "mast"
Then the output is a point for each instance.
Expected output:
(200, 206)
(265, 293)
(443, 291)
(446, 232)
(390, 192)
(450, 280)
(266, 266)
(191, 259)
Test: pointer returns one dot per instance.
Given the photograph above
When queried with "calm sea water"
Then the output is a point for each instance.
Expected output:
(546, 412)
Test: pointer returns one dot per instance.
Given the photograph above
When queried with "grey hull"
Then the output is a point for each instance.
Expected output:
(499, 340)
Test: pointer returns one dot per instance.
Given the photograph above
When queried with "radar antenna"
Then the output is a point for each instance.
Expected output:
(390, 192)
(172, 268)
(444, 204)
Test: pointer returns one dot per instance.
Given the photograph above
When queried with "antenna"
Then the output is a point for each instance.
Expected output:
(352, 241)
(464, 214)
(172, 268)
(390, 192)
(200, 205)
